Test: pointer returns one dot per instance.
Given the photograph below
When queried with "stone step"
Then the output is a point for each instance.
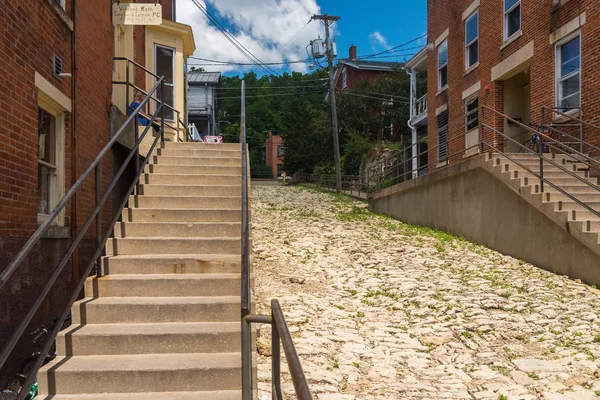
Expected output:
(591, 226)
(547, 174)
(508, 166)
(204, 146)
(582, 216)
(165, 245)
(178, 229)
(197, 161)
(212, 395)
(141, 373)
(213, 169)
(591, 197)
(132, 310)
(171, 338)
(191, 190)
(200, 153)
(207, 202)
(572, 205)
(171, 264)
(203, 179)
(179, 285)
(579, 188)
(181, 215)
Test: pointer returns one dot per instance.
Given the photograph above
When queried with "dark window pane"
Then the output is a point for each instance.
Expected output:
(513, 21)
(473, 53)
(443, 77)
(44, 182)
(570, 92)
(164, 63)
(472, 29)
(509, 3)
(472, 114)
(443, 54)
(46, 136)
(570, 57)
(167, 97)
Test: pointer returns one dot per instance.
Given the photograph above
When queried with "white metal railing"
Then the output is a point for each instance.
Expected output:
(421, 106)
(196, 137)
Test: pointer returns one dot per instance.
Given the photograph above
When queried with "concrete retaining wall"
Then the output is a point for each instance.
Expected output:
(470, 199)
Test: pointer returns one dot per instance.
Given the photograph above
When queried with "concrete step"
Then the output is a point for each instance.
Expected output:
(197, 161)
(165, 245)
(181, 215)
(591, 226)
(200, 153)
(572, 205)
(178, 229)
(132, 310)
(554, 197)
(579, 188)
(141, 373)
(509, 166)
(582, 216)
(171, 338)
(213, 169)
(547, 174)
(204, 179)
(216, 202)
(202, 145)
(212, 395)
(180, 285)
(171, 264)
(191, 190)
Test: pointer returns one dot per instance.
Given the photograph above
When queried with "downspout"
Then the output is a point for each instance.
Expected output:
(413, 94)
(74, 175)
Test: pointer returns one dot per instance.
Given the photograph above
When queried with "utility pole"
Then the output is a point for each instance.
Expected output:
(328, 19)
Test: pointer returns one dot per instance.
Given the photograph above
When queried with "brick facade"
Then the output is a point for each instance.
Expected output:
(274, 157)
(538, 22)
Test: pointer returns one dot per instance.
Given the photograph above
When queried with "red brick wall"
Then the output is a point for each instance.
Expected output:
(271, 158)
(538, 22)
(355, 75)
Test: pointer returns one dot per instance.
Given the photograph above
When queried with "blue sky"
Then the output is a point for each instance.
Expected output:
(275, 31)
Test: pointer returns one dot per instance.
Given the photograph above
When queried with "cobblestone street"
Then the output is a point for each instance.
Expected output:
(383, 310)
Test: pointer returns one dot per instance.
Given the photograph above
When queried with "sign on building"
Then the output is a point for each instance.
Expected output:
(137, 14)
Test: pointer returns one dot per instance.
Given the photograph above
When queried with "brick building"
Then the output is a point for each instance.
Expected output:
(57, 102)
(352, 70)
(514, 56)
(274, 153)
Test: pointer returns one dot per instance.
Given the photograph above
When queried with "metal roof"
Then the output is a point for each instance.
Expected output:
(200, 78)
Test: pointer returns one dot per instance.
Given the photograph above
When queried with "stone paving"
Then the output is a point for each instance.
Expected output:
(383, 310)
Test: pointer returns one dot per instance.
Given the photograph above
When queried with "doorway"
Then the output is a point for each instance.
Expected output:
(517, 106)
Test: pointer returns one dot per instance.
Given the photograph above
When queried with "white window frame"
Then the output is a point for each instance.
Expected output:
(517, 4)
(156, 46)
(344, 78)
(440, 67)
(468, 102)
(558, 64)
(468, 63)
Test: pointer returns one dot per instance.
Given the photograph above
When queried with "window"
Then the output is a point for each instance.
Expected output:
(472, 39)
(163, 65)
(279, 151)
(46, 160)
(568, 72)
(344, 78)
(61, 3)
(443, 65)
(472, 114)
(512, 17)
(443, 136)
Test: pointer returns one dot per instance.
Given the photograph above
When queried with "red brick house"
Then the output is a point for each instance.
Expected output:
(56, 101)
(274, 153)
(352, 70)
(514, 56)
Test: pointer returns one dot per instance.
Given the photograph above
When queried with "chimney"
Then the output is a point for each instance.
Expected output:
(352, 53)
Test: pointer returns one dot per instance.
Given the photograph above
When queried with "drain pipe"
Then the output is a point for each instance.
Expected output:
(413, 95)
(74, 227)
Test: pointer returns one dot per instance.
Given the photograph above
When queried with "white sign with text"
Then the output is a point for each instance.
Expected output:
(137, 14)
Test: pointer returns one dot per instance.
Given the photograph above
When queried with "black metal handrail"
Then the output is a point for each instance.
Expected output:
(95, 215)
(280, 337)
(128, 84)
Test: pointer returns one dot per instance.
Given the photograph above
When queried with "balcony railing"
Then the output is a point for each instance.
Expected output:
(421, 106)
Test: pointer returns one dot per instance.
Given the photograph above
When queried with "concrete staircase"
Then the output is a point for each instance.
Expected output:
(581, 223)
(164, 321)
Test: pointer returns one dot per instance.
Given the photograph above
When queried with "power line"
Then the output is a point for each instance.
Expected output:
(273, 87)
(244, 64)
(379, 94)
(375, 98)
(247, 53)
(268, 95)
(394, 48)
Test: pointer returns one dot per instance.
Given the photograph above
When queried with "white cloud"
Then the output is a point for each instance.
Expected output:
(264, 27)
(377, 39)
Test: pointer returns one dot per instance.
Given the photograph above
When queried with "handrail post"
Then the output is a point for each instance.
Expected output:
(127, 84)
(137, 152)
(541, 154)
(162, 115)
(481, 131)
(275, 361)
(97, 188)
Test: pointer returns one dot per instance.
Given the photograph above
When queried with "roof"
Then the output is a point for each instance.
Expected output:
(419, 60)
(370, 65)
(201, 78)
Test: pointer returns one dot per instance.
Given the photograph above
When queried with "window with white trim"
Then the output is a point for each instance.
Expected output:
(442, 120)
(61, 3)
(164, 59)
(47, 170)
(443, 65)
(344, 78)
(471, 114)
(568, 72)
(512, 17)
(472, 40)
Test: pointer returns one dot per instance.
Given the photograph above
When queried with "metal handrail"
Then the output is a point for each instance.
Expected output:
(280, 337)
(129, 84)
(95, 215)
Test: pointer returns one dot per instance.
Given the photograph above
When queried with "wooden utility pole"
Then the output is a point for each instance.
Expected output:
(328, 19)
